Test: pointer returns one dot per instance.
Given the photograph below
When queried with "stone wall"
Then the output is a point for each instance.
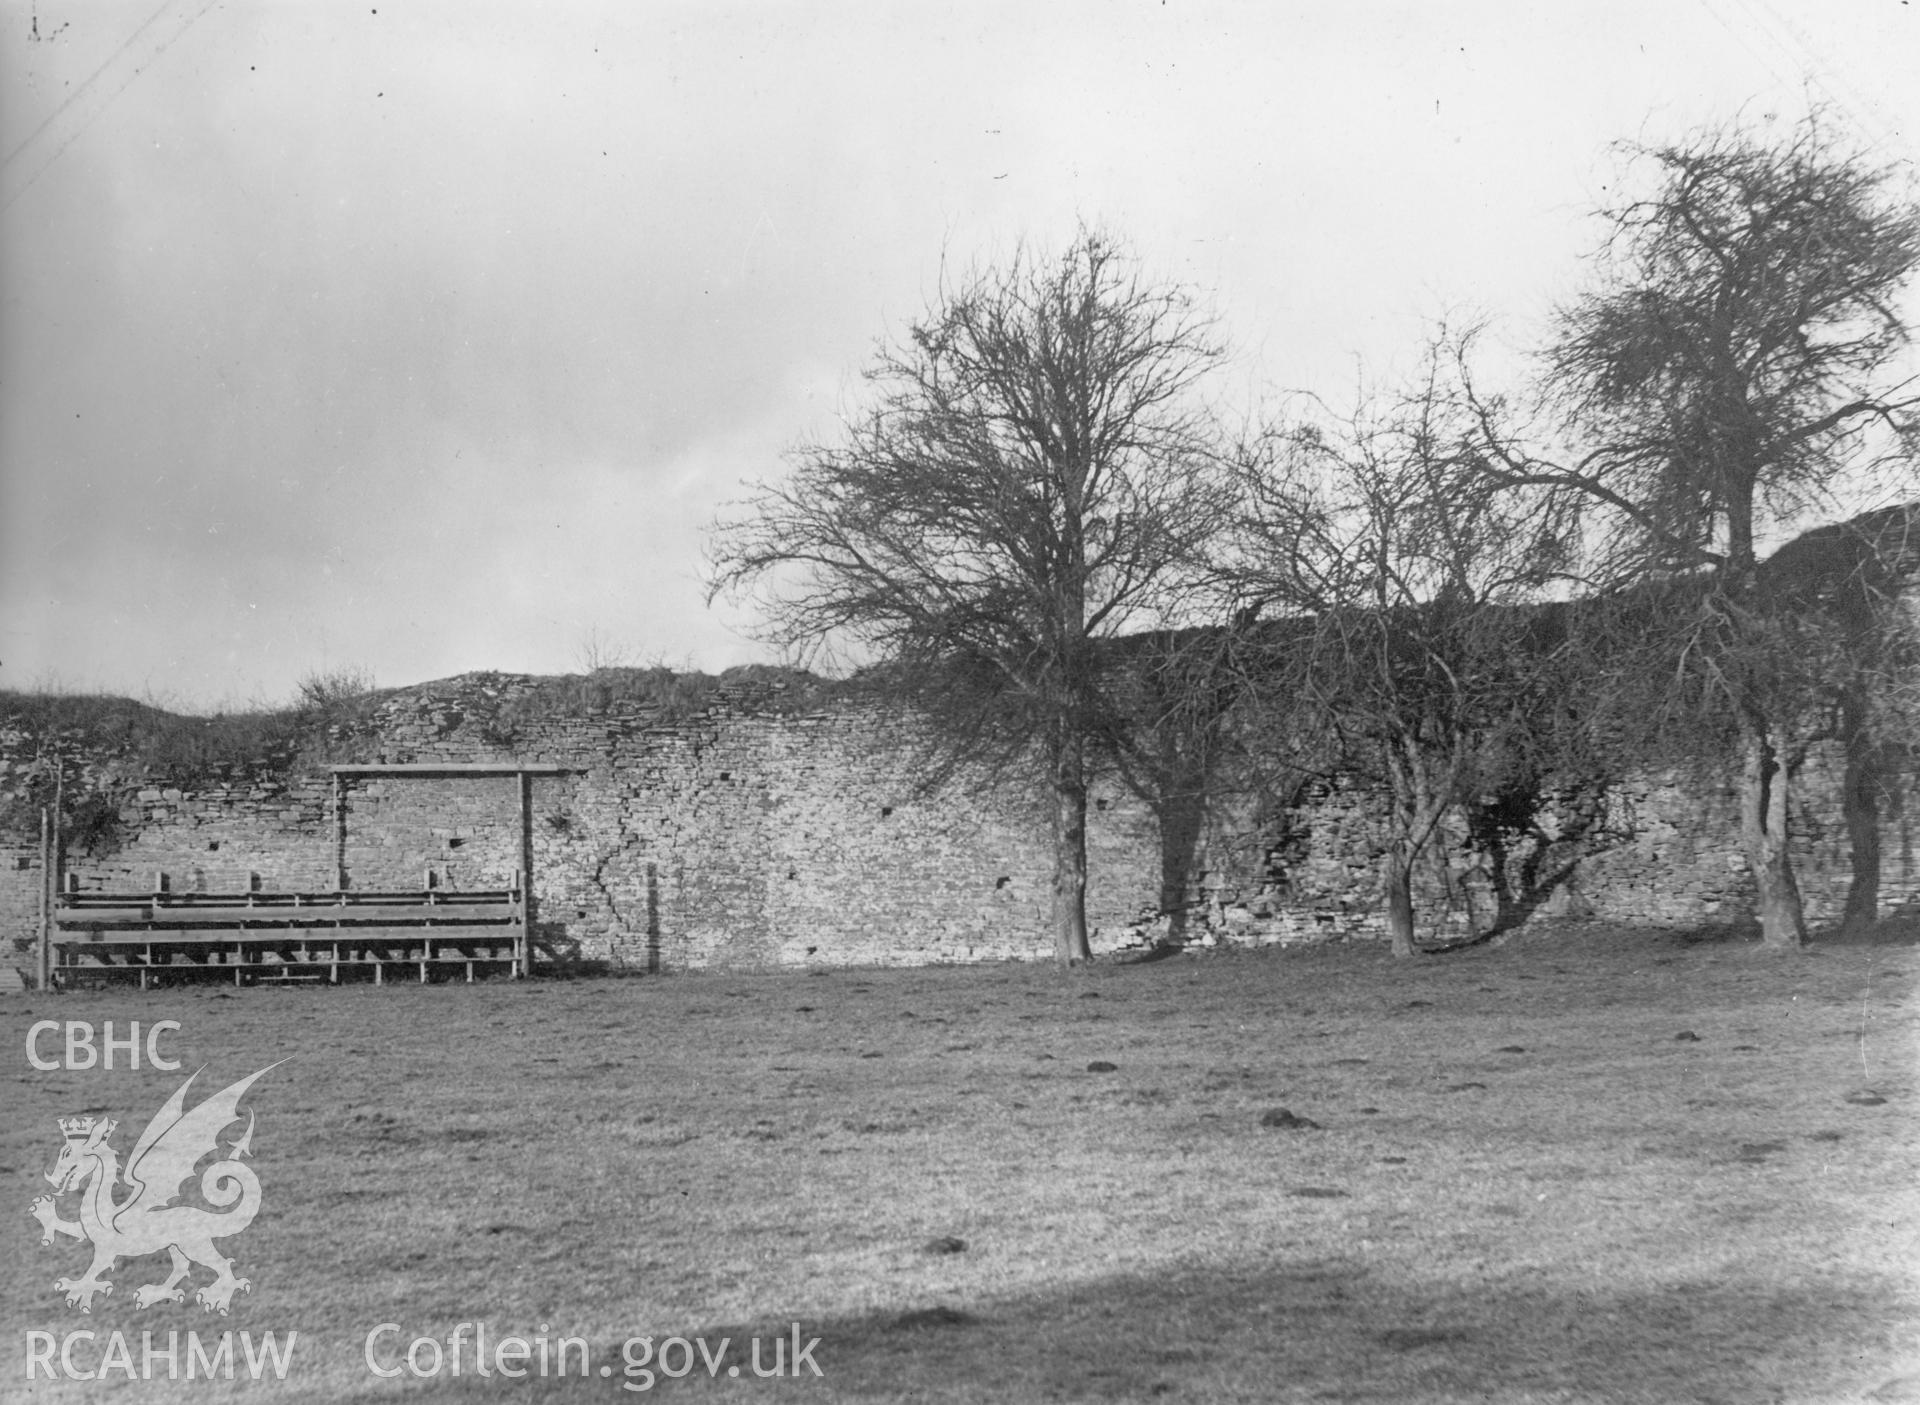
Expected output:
(745, 831)
(19, 910)
(739, 834)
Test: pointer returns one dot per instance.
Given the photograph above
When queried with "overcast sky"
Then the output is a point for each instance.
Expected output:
(426, 337)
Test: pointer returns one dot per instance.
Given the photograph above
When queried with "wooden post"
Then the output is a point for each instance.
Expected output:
(59, 834)
(526, 874)
(49, 890)
(339, 833)
(517, 958)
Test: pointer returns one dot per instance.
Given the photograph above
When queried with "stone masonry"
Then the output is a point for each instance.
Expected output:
(745, 833)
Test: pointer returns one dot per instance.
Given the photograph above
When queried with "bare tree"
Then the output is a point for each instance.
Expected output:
(1732, 362)
(1033, 473)
(1398, 572)
(596, 652)
(1839, 594)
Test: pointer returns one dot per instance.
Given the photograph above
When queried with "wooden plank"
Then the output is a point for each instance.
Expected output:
(66, 918)
(294, 970)
(453, 768)
(121, 910)
(526, 874)
(306, 919)
(418, 897)
(505, 960)
(189, 939)
(48, 887)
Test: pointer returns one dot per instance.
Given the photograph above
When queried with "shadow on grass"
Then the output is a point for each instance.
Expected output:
(1159, 951)
(1325, 1331)
(1900, 929)
(1745, 932)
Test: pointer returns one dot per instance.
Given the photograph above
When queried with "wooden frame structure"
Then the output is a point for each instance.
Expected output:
(308, 936)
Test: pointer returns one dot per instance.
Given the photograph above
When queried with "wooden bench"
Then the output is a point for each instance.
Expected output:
(291, 936)
(299, 936)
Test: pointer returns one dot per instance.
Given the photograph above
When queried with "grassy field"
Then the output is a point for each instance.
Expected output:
(1591, 1165)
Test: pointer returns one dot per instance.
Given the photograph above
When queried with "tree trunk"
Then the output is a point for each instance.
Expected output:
(1182, 815)
(1860, 804)
(1763, 831)
(1174, 782)
(1070, 849)
(1412, 819)
(1397, 875)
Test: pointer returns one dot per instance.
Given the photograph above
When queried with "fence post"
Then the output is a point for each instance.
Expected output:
(48, 892)
(526, 873)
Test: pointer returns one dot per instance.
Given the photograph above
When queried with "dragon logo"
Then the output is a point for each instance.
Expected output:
(148, 1220)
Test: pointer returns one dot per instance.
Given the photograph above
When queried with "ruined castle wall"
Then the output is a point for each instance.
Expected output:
(20, 880)
(733, 836)
(762, 840)
(1668, 850)
(740, 834)
(214, 839)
